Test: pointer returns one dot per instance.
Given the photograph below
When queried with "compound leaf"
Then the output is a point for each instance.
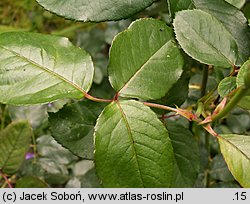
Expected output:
(132, 147)
(14, 143)
(144, 60)
(236, 152)
(38, 68)
(95, 10)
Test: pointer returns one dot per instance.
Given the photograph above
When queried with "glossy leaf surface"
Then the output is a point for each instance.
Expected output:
(205, 38)
(132, 147)
(234, 21)
(144, 60)
(236, 152)
(95, 10)
(37, 68)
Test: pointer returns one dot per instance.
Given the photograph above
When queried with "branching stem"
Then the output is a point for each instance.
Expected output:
(154, 105)
(92, 98)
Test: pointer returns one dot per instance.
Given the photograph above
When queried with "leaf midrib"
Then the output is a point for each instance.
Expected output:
(46, 69)
(131, 140)
(229, 142)
(142, 66)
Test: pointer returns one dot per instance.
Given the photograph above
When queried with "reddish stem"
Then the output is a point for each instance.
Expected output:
(154, 105)
(163, 116)
(235, 71)
(6, 179)
(92, 98)
(116, 97)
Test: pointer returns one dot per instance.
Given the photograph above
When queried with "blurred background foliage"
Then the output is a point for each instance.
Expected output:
(48, 164)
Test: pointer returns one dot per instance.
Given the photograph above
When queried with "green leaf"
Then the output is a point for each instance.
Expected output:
(235, 23)
(186, 152)
(245, 101)
(226, 86)
(178, 5)
(132, 147)
(37, 68)
(144, 60)
(236, 152)
(31, 168)
(179, 92)
(57, 179)
(30, 182)
(241, 75)
(73, 127)
(237, 3)
(205, 38)
(14, 143)
(219, 170)
(95, 10)
(57, 105)
(177, 95)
